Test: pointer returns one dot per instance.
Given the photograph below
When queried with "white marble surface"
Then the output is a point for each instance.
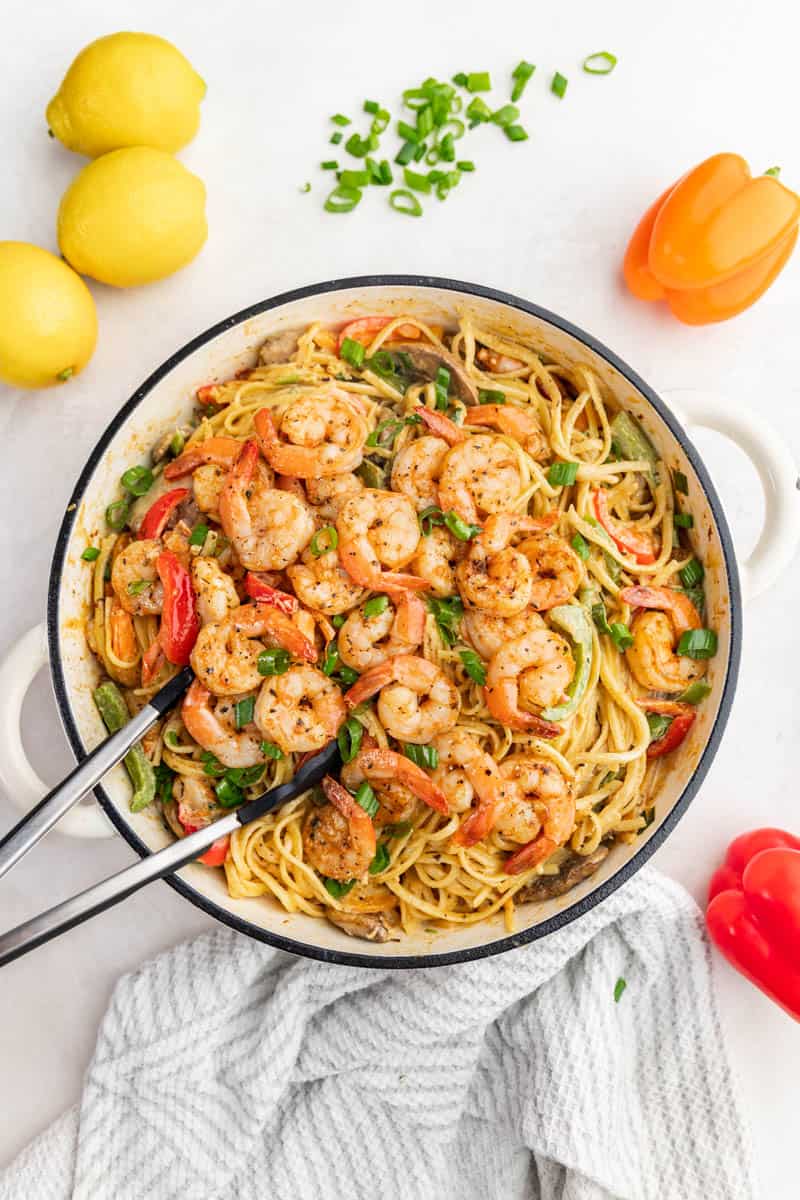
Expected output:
(547, 220)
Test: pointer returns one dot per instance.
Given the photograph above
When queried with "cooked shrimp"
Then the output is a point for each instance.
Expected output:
(221, 451)
(225, 655)
(478, 477)
(331, 492)
(652, 658)
(496, 363)
(416, 700)
(207, 484)
(495, 576)
(416, 470)
(488, 633)
(212, 724)
(436, 560)
(441, 426)
(196, 802)
(135, 580)
(519, 423)
(542, 815)
(365, 642)
(300, 710)
(123, 646)
(557, 572)
(269, 528)
(321, 583)
(379, 529)
(533, 670)
(392, 776)
(466, 773)
(215, 590)
(322, 433)
(339, 837)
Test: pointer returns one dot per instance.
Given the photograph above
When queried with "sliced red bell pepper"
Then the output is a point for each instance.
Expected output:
(157, 515)
(180, 623)
(753, 915)
(628, 540)
(683, 716)
(217, 852)
(258, 590)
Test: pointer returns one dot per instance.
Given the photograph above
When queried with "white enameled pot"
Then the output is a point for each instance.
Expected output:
(166, 399)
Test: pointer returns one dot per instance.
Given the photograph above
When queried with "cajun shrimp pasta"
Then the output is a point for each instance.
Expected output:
(458, 558)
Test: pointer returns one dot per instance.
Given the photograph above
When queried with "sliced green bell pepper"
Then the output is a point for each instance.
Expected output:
(574, 620)
(114, 711)
(631, 441)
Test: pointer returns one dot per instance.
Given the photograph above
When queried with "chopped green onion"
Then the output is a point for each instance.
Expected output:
(338, 621)
(423, 756)
(562, 474)
(342, 200)
(515, 133)
(521, 74)
(198, 535)
(352, 352)
(377, 438)
(599, 617)
(90, 554)
(331, 659)
(613, 567)
(424, 122)
(371, 106)
(243, 711)
(491, 396)
(137, 586)
(429, 517)
(659, 724)
(385, 170)
(441, 387)
(245, 776)
(692, 573)
(399, 829)
(461, 78)
(330, 165)
(695, 693)
(698, 643)
(354, 179)
(381, 860)
(405, 202)
(340, 119)
(477, 111)
(621, 636)
(349, 739)
(559, 85)
(275, 661)
(581, 547)
(479, 81)
(348, 676)
(619, 988)
(211, 765)
(334, 140)
(408, 132)
(171, 738)
(331, 539)
(359, 147)
(696, 595)
(461, 529)
(600, 63)
(270, 750)
(405, 153)
(336, 889)
(229, 794)
(367, 799)
(375, 606)
(447, 148)
(447, 613)
(419, 151)
(465, 164)
(379, 124)
(454, 127)
(773, 171)
(137, 480)
(178, 440)
(420, 183)
(680, 482)
(506, 115)
(473, 666)
(683, 520)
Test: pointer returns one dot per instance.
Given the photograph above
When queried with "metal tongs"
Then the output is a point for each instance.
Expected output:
(36, 823)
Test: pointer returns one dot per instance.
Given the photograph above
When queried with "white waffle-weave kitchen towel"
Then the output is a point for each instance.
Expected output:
(224, 1069)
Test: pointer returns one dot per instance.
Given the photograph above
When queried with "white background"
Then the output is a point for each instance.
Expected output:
(547, 219)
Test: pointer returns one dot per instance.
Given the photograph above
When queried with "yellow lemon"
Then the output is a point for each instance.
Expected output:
(48, 322)
(127, 89)
(131, 217)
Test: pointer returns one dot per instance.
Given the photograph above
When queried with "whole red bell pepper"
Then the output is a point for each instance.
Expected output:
(157, 515)
(180, 623)
(753, 913)
(258, 590)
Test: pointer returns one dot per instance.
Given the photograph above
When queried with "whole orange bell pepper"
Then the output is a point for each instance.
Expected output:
(713, 242)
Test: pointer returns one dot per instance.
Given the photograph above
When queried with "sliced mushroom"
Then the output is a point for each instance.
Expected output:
(426, 361)
(373, 927)
(573, 870)
(279, 347)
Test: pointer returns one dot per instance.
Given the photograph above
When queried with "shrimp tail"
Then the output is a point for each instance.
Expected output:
(399, 582)
(370, 682)
(152, 662)
(683, 613)
(530, 855)
(478, 824)
(358, 818)
(441, 425)
(501, 700)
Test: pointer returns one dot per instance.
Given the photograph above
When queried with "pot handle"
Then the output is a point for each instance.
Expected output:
(18, 779)
(776, 469)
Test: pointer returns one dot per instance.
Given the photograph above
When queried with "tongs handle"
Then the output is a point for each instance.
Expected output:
(42, 817)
